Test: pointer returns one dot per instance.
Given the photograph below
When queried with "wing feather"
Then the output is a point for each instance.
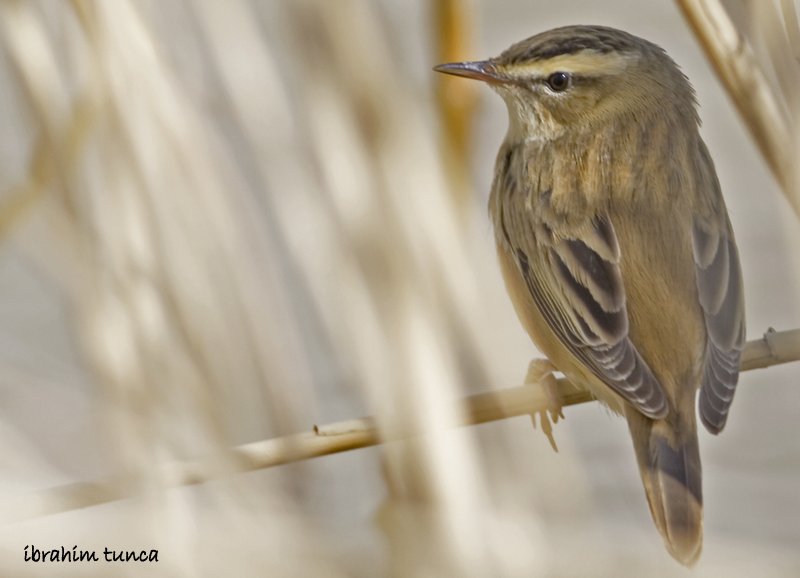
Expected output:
(579, 290)
(719, 285)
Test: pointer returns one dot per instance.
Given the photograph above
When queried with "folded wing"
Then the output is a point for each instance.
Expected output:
(576, 283)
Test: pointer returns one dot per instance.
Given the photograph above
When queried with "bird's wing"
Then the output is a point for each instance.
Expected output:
(575, 281)
(719, 285)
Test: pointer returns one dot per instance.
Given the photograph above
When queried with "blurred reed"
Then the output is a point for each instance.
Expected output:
(456, 101)
(755, 47)
(244, 206)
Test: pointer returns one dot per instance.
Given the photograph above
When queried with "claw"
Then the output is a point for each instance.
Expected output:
(547, 428)
(540, 373)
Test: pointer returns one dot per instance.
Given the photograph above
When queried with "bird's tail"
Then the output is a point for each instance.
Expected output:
(669, 462)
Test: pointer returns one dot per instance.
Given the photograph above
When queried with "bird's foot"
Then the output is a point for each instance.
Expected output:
(540, 374)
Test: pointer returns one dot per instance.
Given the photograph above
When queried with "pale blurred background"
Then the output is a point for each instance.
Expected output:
(225, 222)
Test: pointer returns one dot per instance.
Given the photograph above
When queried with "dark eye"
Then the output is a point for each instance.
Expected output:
(559, 81)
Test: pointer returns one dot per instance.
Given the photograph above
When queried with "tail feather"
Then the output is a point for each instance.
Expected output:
(669, 463)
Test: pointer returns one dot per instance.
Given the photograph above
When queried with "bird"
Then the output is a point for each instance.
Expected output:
(616, 247)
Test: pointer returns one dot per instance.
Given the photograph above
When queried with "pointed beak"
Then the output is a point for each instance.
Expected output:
(480, 70)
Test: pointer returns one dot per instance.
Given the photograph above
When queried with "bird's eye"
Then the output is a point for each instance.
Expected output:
(559, 81)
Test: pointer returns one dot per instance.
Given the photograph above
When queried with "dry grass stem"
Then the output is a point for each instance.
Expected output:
(766, 115)
(456, 101)
(774, 348)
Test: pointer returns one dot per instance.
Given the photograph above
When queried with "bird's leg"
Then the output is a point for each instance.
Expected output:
(540, 373)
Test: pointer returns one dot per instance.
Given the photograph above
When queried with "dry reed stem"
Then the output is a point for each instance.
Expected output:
(790, 20)
(456, 101)
(774, 348)
(738, 69)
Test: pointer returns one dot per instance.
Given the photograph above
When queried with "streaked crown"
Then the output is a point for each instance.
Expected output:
(570, 40)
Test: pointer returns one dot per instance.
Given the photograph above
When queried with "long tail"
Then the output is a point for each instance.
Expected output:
(669, 462)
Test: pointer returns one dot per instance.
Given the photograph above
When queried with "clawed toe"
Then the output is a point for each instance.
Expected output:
(541, 374)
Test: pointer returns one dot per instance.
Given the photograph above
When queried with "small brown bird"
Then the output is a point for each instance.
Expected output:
(616, 247)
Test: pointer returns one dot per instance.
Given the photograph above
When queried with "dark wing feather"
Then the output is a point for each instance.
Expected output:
(579, 290)
(719, 285)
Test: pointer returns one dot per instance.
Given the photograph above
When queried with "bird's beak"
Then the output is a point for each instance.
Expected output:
(481, 70)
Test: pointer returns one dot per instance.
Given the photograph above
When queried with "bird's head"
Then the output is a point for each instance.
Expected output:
(579, 77)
